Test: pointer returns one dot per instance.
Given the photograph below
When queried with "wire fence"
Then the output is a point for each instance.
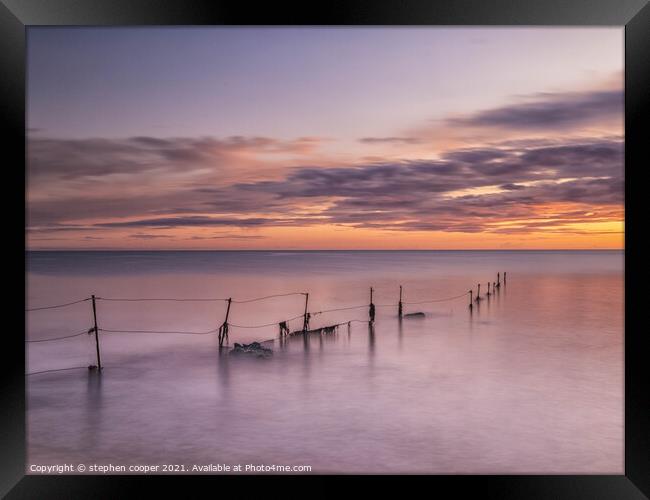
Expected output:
(223, 329)
(178, 332)
(445, 299)
(110, 299)
(58, 305)
(61, 338)
(215, 330)
(275, 323)
(56, 370)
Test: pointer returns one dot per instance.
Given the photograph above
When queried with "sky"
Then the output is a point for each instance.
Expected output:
(325, 138)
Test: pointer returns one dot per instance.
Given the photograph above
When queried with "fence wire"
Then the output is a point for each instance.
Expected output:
(226, 323)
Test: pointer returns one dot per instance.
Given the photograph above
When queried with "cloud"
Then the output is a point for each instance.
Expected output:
(148, 236)
(512, 187)
(455, 171)
(71, 159)
(427, 195)
(469, 189)
(229, 236)
(476, 155)
(549, 111)
(390, 140)
(189, 221)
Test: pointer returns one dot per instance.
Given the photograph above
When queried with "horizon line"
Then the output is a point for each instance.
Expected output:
(325, 250)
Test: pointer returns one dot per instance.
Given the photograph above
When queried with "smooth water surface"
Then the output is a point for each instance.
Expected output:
(531, 381)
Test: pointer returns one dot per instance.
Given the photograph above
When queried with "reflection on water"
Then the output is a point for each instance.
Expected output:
(529, 381)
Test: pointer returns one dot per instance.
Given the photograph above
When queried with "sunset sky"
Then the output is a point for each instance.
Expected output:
(325, 138)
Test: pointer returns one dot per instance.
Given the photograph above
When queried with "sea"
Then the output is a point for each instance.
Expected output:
(529, 380)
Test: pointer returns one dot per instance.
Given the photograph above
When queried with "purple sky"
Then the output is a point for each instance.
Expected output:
(130, 123)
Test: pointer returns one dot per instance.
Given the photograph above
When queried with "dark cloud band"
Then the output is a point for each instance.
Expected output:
(550, 111)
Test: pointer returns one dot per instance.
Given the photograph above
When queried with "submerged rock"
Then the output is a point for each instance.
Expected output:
(414, 315)
(254, 349)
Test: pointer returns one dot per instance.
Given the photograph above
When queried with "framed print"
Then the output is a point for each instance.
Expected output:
(364, 240)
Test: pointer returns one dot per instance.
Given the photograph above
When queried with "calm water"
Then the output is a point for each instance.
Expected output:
(530, 382)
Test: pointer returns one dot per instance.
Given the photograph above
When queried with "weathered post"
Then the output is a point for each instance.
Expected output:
(223, 330)
(371, 310)
(470, 300)
(478, 293)
(488, 292)
(305, 323)
(498, 280)
(399, 307)
(99, 361)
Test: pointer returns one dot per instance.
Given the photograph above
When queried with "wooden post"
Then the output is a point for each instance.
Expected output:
(488, 294)
(478, 293)
(371, 309)
(498, 280)
(305, 323)
(470, 299)
(399, 307)
(223, 331)
(99, 361)
(228, 310)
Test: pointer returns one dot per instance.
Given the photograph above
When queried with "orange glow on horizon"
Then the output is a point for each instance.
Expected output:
(599, 235)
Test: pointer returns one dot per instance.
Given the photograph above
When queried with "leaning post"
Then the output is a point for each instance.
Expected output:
(223, 330)
(99, 361)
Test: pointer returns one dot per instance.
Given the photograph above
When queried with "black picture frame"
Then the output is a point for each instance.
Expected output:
(17, 15)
